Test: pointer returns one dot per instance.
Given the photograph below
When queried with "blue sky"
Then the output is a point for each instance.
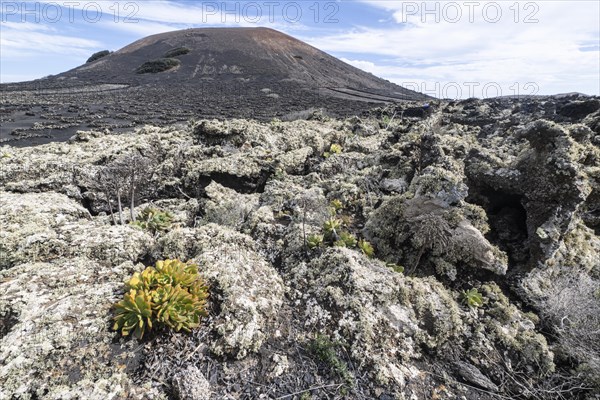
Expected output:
(444, 48)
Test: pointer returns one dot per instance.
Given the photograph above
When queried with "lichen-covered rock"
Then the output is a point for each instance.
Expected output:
(227, 207)
(47, 226)
(247, 171)
(248, 290)
(62, 167)
(512, 330)
(29, 221)
(374, 309)
(191, 384)
(63, 271)
(276, 136)
(184, 211)
(566, 288)
(178, 243)
(551, 176)
(245, 289)
(294, 161)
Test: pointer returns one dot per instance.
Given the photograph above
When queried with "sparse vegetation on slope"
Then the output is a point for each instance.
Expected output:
(179, 51)
(98, 55)
(156, 66)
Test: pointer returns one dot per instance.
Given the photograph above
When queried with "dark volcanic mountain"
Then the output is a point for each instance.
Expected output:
(215, 72)
(251, 58)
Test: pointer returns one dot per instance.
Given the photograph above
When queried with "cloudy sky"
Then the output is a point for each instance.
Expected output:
(446, 49)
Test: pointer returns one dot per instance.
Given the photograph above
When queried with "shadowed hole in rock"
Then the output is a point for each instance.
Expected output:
(507, 219)
(87, 202)
(241, 184)
(591, 212)
(7, 321)
(148, 260)
(37, 394)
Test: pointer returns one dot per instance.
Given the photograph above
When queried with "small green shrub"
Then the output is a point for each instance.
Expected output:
(333, 149)
(314, 241)
(156, 66)
(324, 349)
(472, 298)
(346, 239)
(154, 220)
(171, 294)
(366, 248)
(336, 205)
(178, 51)
(98, 55)
(395, 267)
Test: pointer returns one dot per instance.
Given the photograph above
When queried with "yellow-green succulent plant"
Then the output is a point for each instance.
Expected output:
(333, 149)
(154, 220)
(366, 248)
(346, 240)
(134, 313)
(169, 294)
(472, 297)
(314, 241)
(331, 226)
(336, 205)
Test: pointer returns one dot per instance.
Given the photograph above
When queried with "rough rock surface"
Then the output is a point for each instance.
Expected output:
(190, 384)
(490, 209)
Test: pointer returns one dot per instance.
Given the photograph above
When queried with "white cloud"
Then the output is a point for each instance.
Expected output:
(176, 13)
(25, 26)
(126, 13)
(548, 53)
(26, 39)
(140, 30)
